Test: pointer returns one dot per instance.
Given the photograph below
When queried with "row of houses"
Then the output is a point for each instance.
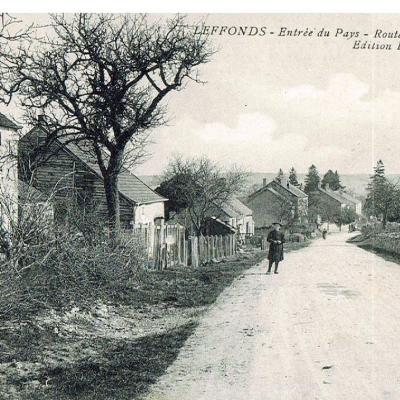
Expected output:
(283, 202)
(68, 167)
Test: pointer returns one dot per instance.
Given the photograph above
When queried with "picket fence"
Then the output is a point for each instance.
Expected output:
(168, 246)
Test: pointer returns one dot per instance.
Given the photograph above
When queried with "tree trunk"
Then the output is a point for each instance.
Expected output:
(384, 220)
(112, 197)
(112, 194)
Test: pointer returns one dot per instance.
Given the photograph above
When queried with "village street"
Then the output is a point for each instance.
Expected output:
(326, 327)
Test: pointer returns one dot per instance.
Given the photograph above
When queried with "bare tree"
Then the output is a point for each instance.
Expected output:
(286, 212)
(100, 81)
(200, 188)
(11, 31)
(320, 207)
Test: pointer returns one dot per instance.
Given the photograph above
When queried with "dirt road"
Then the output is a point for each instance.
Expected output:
(326, 327)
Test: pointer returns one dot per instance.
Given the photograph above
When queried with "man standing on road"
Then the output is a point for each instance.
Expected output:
(276, 239)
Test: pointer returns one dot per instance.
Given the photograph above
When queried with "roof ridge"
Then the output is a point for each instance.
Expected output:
(285, 186)
(333, 194)
(90, 165)
(7, 122)
(144, 183)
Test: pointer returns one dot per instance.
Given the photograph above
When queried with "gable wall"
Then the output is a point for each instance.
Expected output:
(8, 177)
(300, 203)
(62, 172)
(267, 208)
(329, 201)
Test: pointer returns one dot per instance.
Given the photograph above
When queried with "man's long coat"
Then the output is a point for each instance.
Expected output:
(275, 250)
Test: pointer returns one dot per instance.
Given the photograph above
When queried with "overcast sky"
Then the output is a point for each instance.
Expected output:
(275, 102)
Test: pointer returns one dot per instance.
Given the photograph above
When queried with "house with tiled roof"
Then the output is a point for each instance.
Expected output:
(351, 201)
(328, 205)
(277, 202)
(68, 168)
(239, 216)
(325, 199)
(8, 172)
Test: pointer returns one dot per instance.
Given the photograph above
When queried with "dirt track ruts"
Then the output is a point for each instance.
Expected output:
(326, 327)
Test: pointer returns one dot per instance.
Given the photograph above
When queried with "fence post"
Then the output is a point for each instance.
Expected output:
(167, 246)
(157, 248)
(186, 252)
(203, 241)
(195, 251)
(179, 245)
(214, 247)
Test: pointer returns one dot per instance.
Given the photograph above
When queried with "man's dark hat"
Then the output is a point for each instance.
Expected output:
(277, 223)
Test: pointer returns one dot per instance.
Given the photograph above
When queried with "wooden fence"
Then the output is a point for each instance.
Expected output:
(210, 248)
(168, 246)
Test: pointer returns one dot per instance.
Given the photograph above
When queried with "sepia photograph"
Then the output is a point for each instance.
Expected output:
(199, 206)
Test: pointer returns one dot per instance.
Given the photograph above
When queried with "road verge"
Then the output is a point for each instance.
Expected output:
(114, 350)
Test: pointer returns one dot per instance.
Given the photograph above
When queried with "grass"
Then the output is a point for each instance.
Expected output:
(123, 369)
(119, 368)
(385, 254)
(192, 288)
(368, 244)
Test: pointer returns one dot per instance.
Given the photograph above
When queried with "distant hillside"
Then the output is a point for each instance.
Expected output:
(356, 183)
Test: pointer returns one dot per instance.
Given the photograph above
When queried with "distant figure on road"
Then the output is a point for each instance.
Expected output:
(324, 232)
(276, 239)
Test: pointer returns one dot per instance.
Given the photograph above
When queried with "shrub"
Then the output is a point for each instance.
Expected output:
(303, 229)
(54, 265)
(255, 240)
(296, 237)
(370, 229)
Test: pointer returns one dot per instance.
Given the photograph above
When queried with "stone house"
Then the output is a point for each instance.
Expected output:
(351, 201)
(327, 204)
(278, 202)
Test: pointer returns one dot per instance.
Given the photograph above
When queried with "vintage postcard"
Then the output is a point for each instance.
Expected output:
(199, 206)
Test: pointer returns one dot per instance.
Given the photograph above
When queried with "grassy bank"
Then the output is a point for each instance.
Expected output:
(114, 350)
(379, 244)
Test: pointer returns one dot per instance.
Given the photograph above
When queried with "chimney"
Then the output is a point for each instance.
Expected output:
(288, 185)
(41, 119)
(264, 182)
